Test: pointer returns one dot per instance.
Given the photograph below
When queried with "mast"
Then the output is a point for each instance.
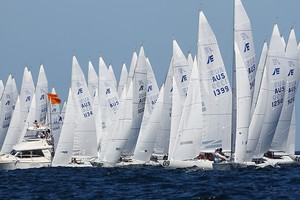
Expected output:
(233, 87)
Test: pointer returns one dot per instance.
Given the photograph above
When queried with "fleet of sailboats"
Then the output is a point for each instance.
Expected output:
(108, 123)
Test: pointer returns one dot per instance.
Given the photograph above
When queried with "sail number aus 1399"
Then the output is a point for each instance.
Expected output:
(221, 90)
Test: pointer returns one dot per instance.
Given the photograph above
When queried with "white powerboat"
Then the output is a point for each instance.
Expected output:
(35, 151)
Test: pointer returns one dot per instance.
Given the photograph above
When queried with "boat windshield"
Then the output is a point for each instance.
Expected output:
(30, 153)
(43, 133)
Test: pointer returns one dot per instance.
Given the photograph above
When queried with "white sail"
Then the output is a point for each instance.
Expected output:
(63, 110)
(30, 118)
(20, 113)
(1, 88)
(292, 77)
(64, 150)
(163, 135)
(123, 79)
(56, 120)
(243, 87)
(151, 99)
(6, 108)
(98, 120)
(148, 132)
(12, 135)
(190, 60)
(244, 39)
(121, 133)
(181, 74)
(41, 92)
(92, 80)
(257, 119)
(176, 114)
(277, 71)
(215, 88)
(109, 103)
(27, 90)
(181, 70)
(139, 90)
(131, 69)
(15, 92)
(283, 41)
(243, 106)
(258, 76)
(188, 139)
(290, 146)
(113, 76)
(85, 138)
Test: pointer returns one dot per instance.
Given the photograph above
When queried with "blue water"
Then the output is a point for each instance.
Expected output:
(148, 182)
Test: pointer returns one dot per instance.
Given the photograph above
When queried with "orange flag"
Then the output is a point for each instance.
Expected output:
(53, 98)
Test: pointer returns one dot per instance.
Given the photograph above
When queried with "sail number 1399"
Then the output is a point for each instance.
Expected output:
(221, 90)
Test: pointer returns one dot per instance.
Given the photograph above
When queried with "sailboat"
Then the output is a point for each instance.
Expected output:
(120, 133)
(64, 150)
(148, 133)
(6, 106)
(189, 136)
(77, 144)
(259, 105)
(121, 130)
(20, 112)
(276, 85)
(139, 89)
(215, 93)
(181, 73)
(145, 142)
(243, 81)
(109, 105)
(277, 151)
(163, 135)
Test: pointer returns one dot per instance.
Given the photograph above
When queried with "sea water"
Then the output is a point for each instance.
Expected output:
(150, 182)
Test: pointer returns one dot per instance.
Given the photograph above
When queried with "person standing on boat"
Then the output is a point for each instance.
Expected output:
(37, 125)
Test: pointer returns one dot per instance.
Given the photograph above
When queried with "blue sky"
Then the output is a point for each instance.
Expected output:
(51, 32)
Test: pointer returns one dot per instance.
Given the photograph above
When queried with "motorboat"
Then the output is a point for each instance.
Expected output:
(35, 150)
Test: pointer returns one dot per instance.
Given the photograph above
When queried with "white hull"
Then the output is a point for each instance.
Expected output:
(296, 158)
(174, 164)
(79, 165)
(283, 160)
(81, 161)
(10, 162)
(127, 162)
(276, 162)
(135, 162)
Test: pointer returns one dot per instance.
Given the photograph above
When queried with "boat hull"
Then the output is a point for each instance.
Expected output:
(11, 162)
(296, 158)
(174, 164)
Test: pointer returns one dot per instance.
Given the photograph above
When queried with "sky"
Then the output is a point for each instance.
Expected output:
(36, 32)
